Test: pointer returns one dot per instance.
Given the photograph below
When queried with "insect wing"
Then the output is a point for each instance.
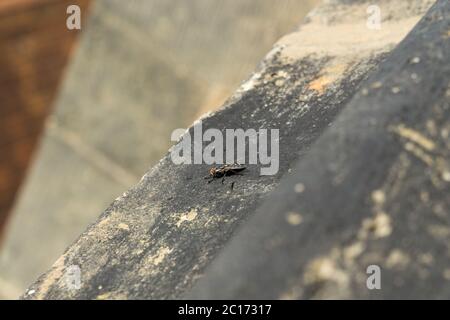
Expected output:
(236, 167)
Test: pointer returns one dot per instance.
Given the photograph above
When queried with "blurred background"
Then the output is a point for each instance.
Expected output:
(85, 113)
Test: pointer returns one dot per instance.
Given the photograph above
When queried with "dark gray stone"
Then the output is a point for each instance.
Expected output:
(142, 69)
(374, 191)
(157, 239)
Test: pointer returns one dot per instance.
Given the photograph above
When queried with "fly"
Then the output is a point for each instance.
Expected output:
(224, 171)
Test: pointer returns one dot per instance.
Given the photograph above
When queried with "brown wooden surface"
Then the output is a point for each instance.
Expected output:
(35, 46)
(7, 5)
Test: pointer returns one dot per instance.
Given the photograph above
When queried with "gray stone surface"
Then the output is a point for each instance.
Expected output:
(157, 239)
(143, 68)
(374, 190)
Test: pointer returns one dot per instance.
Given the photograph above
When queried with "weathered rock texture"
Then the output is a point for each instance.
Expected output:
(373, 190)
(142, 69)
(366, 178)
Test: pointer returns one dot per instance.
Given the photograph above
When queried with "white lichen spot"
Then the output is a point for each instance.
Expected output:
(415, 60)
(419, 153)
(282, 74)
(424, 196)
(104, 296)
(31, 292)
(397, 259)
(446, 176)
(353, 251)
(378, 197)
(426, 258)
(105, 221)
(446, 274)
(383, 226)
(159, 256)
(379, 226)
(395, 90)
(190, 216)
(325, 269)
(439, 231)
(123, 226)
(415, 137)
(294, 218)
(376, 85)
(112, 295)
(303, 98)
(293, 293)
(299, 187)
(251, 83)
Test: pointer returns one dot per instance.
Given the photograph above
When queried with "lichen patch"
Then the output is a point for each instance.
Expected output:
(294, 218)
(187, 217)
(415, 136)
(159, 257)
(379, 226)
(328, 76)
(123, 226)
(397, 259)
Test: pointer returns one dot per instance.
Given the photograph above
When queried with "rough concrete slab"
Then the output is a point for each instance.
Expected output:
(139, 249)
(373, 190)
(143, 68)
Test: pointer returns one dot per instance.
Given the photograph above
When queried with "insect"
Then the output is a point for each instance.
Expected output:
(223, 171)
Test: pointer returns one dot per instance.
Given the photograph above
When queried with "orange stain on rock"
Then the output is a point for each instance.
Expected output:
(328, 75)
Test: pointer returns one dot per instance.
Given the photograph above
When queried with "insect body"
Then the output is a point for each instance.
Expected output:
(223, 171)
